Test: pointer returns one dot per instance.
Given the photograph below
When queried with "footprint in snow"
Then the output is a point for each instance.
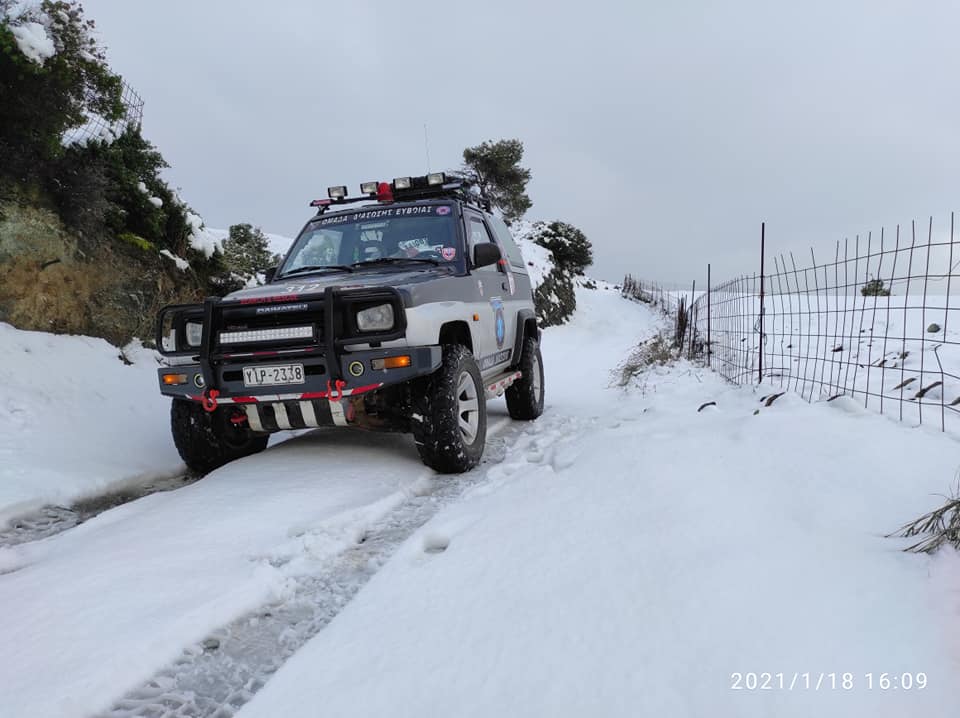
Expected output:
(435, 543)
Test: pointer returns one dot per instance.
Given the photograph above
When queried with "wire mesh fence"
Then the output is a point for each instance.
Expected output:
(99, 128)
(877, 321)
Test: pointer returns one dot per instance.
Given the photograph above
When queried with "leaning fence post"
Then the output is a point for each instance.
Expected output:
(690, 320)
(763, 236)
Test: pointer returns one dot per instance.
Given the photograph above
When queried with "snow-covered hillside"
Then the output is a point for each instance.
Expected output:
(624, 555)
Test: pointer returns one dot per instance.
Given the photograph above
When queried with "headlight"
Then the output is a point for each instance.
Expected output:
(375, 319)
(194, 332)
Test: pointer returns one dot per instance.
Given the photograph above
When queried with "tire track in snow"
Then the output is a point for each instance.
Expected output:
(216, 677)
(51, 520)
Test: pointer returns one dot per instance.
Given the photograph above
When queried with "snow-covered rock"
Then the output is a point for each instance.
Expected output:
(181, 263)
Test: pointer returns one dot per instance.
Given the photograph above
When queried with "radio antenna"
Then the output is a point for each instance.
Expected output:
(426, 146)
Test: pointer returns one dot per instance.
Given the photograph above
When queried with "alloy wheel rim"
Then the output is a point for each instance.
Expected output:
(537, 381)
(468, 408)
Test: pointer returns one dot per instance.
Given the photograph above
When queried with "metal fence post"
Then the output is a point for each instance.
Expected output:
(763, 236)
(708, 315)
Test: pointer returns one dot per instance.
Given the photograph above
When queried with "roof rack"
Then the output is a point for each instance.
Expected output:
(435, 185)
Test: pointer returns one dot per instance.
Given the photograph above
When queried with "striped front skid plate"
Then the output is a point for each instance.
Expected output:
(280, 406)
(294, 415)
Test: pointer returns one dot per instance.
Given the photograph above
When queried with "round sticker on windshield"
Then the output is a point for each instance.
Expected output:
(449, 253)
(443, 209)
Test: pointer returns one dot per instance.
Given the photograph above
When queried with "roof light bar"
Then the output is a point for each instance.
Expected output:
(435, 178)
(369, 188)
(401, 183)
(338, 192)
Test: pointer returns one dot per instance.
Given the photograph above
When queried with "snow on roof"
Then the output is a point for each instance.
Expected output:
(34, 42)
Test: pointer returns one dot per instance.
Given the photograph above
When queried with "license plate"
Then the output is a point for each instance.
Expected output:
(273, 375)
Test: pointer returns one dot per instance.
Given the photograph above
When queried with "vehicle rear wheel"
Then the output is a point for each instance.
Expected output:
(525, 396)
(449, 416)
(208, 440)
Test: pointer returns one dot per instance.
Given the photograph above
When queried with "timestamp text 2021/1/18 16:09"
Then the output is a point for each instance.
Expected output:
(819, 681)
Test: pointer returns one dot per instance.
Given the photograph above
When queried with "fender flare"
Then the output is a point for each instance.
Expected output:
(526, 327)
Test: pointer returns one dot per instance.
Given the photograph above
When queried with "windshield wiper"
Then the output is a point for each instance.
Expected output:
(394, 260)
(316, 268)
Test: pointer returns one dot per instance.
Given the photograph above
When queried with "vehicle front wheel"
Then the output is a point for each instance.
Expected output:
(208, 440)
(449, 414)
(525, 396)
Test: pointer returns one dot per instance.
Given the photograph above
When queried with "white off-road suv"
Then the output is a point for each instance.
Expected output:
(403, 309)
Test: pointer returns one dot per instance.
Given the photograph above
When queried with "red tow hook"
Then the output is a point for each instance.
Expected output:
(209, 400)
(238, 418)
(336, 394)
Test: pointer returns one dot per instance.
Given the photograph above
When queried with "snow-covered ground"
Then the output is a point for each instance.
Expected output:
(636, 554)
(66, 435)
(623, 555)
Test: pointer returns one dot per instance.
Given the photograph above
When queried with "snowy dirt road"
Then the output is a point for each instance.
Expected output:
(622, 556)
(124, 603)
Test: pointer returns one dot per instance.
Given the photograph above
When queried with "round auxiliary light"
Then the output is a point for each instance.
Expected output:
(356, 368)
(198, 381)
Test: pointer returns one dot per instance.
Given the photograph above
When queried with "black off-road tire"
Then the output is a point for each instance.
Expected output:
(525, 396)
(207, 440)
(435, 417)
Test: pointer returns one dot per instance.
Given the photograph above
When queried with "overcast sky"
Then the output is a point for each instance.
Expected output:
(667, 131)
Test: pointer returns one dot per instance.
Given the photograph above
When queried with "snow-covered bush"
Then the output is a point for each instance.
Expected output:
(52, 74)
(553, 288)
(246, 254)
(114, 188)
(875, 288)
(570, 247)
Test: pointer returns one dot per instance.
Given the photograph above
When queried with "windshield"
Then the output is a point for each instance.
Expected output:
(376, 236)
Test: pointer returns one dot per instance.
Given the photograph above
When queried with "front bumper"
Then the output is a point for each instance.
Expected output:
(319, 382)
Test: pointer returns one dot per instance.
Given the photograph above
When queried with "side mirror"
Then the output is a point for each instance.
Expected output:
(269, 273)
(486, 254)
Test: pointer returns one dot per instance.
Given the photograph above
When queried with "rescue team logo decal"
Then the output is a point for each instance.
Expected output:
(500, 324)
(449, 253)
(443, 210)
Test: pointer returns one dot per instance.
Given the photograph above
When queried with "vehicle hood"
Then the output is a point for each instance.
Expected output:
(313, 285)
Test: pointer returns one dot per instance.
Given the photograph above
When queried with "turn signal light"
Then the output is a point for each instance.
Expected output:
(174, 379)
(391, 362)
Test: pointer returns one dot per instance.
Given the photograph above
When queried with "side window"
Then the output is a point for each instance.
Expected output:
(506, 241)
(479, 235)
